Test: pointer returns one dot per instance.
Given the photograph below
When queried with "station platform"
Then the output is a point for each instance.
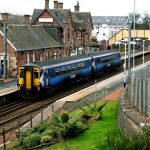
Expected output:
(8, 86)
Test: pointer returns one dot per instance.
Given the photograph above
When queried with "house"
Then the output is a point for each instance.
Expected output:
(106, 26)
(27, 43)
(51, 33)
(74, 28)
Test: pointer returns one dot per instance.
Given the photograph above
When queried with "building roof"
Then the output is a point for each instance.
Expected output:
(110, 20)
(31, 38)
(60, 15)
(81, 19)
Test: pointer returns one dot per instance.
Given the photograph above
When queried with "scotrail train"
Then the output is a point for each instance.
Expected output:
(38, 76)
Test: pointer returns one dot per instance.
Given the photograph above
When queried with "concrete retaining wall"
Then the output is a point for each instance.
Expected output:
(130, 120)
(140, 86)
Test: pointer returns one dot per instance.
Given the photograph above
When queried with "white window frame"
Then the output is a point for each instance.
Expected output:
(28, 58)
(41, 56)
(34, 55)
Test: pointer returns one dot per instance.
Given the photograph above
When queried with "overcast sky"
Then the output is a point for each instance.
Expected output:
(96, 7)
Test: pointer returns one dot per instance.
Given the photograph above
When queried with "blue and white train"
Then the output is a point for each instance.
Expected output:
(36, 76)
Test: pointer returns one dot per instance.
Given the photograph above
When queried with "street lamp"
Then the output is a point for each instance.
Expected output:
(133, 55)
(134, 38)
(125, 68)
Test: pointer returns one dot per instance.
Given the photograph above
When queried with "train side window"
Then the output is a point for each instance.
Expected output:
(68, 69)
(21, 73)
(36, 75)
(53, 74)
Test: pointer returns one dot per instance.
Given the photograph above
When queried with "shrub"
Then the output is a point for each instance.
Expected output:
(41, 128)
(86, 116)
(75, 129)
(25, 134)
(46, 139)
(64, 117)
(31, 141)
(100, 107)
(56, 120)
(49, 132)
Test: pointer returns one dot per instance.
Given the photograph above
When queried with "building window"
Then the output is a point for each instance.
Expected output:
(41, 56)
(47, 55)
(34, 56)
(55, 55)
(28, 58)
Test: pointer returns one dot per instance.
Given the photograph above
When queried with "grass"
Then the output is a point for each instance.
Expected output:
(96, 136)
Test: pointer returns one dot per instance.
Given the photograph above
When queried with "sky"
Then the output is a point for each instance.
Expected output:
(96, 7)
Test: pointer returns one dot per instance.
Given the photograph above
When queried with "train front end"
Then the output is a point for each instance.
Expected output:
(29, 81)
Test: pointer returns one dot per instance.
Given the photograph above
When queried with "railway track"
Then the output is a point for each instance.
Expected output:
(17, 113)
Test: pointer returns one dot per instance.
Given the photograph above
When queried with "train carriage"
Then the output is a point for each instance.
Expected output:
(106, 59)
(35, 76)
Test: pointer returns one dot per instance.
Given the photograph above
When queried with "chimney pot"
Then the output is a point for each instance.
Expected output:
(77, 7)
(5, 17)
(27, 19)
(60, 5)
(55, 4)
(46, 4)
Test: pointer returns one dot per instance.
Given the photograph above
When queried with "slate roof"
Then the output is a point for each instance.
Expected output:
(31, 38)
(53, 32)
(59, 15)
(110, 20)
(80, 19)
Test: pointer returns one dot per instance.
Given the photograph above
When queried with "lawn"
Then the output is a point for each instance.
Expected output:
(96, 136)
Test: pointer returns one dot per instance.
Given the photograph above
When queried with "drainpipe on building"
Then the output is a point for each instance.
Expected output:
(5, 22)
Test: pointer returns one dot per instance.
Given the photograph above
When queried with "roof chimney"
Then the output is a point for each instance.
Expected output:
(55, 4)
(5, 17)
(27, 19)
(77, 7)
(46, 4)
(60, 5)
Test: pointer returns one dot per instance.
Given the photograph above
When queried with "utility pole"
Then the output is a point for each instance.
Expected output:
(129, 60)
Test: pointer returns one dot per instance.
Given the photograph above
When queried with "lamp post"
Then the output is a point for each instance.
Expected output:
(5, 21)
(125, 64)
(143, 51)
(134, 38)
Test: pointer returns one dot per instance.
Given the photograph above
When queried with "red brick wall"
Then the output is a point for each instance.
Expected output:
(10, 55)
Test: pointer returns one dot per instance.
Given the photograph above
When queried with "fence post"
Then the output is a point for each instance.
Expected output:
(52, 108)
(4, 139)
(42, 116)
(31, 122)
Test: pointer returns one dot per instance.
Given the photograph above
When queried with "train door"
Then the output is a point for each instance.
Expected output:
(21, 76)
(46, 79)
(36, 78)
(28, 79)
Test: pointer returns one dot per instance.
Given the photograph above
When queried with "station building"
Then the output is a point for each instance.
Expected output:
(49, 34)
